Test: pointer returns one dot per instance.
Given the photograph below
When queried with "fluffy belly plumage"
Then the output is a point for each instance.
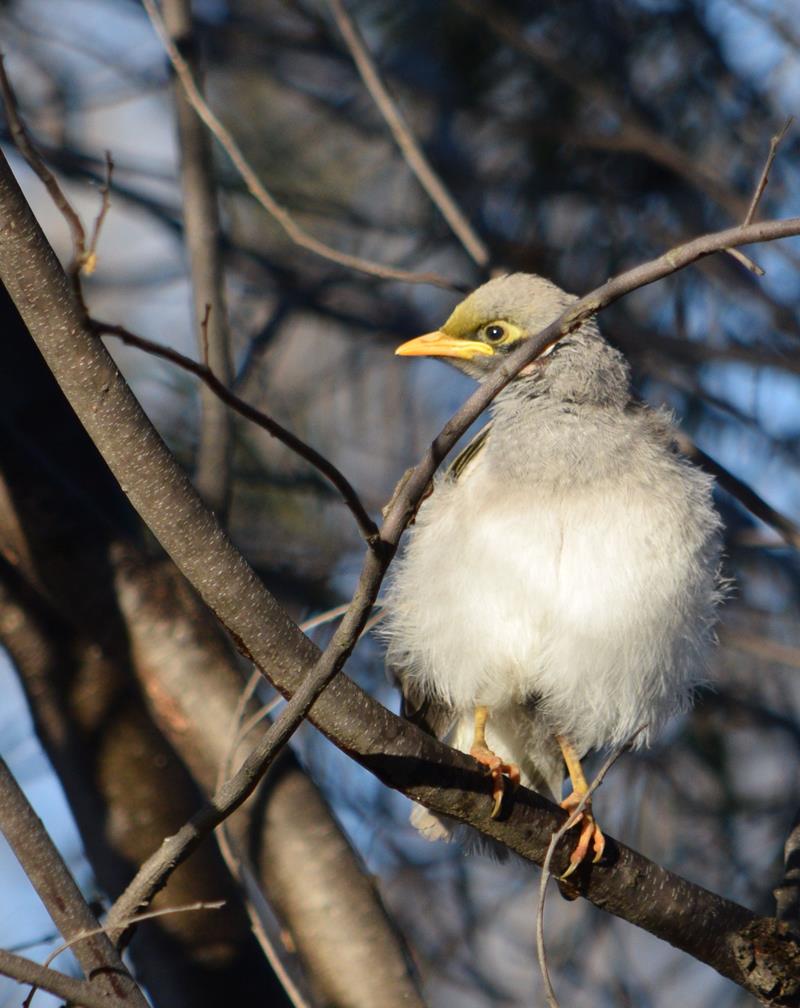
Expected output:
(555, 600)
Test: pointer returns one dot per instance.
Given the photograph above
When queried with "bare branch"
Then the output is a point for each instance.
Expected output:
(257, 189)
(745, 494)
(404, 137)
(77, 992)
(90, 259)
(366, 525)
(774, 143)
(34, 160)
(202, 237)
(55, 886)
(745, 261)
(136, 919)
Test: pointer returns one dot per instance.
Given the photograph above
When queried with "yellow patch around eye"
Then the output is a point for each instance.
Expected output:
(500, 333)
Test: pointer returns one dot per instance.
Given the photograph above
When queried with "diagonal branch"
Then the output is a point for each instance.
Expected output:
(405, 139)
(28, 150)
(77, 992)
(202, 238)
(774, 144)
(367, 526)
(50, 877)
(745, 494)
(258, 190)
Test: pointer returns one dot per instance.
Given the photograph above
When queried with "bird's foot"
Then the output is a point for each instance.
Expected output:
(590, 834)
(500, 773)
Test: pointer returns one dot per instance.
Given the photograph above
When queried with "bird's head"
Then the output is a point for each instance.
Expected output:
(497, 317)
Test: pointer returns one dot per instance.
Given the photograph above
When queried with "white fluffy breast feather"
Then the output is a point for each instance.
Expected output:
(593, 600)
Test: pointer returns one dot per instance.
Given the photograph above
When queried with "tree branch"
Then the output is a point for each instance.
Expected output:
(733, 940)
(85, 993)
(338, 480)
(404, 137)
(50, 877)
(28, 150)
(774, 143)
(745, 494)
(257, 189)
(202, 239)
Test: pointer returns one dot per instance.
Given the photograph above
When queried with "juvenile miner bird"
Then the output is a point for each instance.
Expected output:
(558, 589)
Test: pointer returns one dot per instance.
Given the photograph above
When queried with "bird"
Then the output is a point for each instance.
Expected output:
(558, 589)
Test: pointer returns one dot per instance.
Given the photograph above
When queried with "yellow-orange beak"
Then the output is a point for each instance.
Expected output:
(439, 344)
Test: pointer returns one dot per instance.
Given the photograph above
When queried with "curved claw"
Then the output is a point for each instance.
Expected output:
(499, 771)
(590, 834)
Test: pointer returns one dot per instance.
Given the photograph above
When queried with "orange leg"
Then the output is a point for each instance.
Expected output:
(483, 754)
(590, 831)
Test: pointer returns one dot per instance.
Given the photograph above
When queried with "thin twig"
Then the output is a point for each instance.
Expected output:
(573, 818)
(256, 188)
(774, 143)
(229, 849)
(744, 493)
(135, 919)
(243, 729)
(331, 614)
(746, 261)
(404, 137)
(90, 259)
(34, 160)
(366, 525)
(92, 932)
(77, 992)
(240, 730)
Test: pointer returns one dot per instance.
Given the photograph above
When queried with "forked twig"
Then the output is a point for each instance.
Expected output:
(90, 259)
(774, 143)
(27, 149)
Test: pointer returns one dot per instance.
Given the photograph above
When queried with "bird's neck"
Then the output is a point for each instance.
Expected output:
(548, 439)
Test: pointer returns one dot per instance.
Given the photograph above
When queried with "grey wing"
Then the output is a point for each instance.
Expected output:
(468, 454)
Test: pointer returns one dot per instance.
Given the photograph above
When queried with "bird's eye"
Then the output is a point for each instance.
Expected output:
(494, 333)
